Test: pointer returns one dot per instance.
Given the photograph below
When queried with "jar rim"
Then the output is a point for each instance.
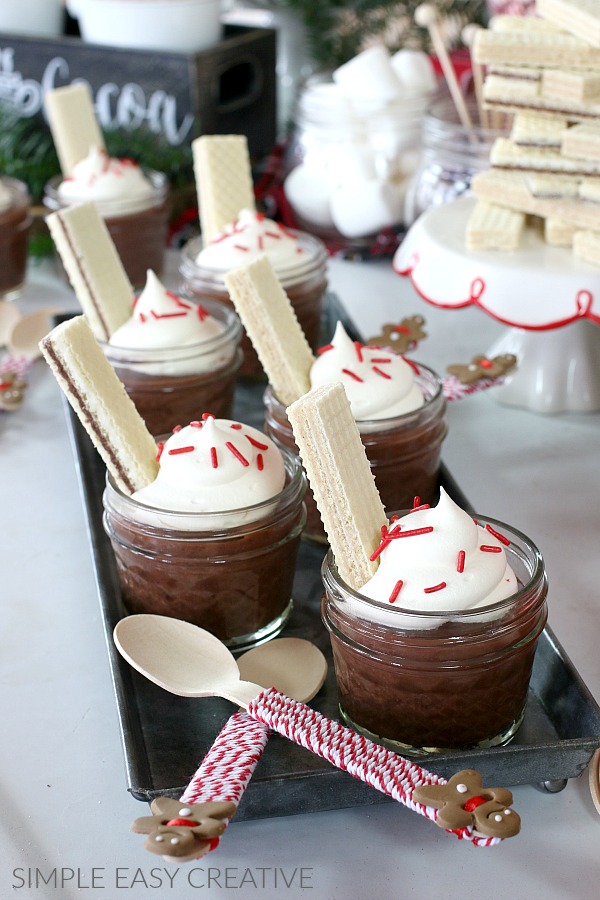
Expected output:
(292, 491)
(232, 333)
(387, 423)
(537, 575)
(289, 275)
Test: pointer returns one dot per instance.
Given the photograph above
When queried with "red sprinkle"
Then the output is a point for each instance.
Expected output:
(485, 363)
(260, 242)
(213, 458)
(196, 424)
(201, 312)
(503, 540)
(352, 375)
(413, 365)
(173, 315)
(206, 416)
(236, 453)
(256, 443)
(460, 563)
(325, 348)
(435, 587)
(273, 234)
(396, 590)
(411, 533)
(403, 329)
(380, 359)
(160, 448)
(176, 450)
(176, 429)
(488, 549)
(383, 374)
(241, 247)
(260, 462)
(236, 425)
(416, 502)
(358, 347)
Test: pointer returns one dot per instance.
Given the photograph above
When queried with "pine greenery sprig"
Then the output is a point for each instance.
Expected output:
(339, 29)
(27, 152)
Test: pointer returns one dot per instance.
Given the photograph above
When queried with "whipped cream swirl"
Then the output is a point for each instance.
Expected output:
(167, 335)
(379, 384)
(247, 238)
(162, 319)
(438, 558)
(214, 466)
(117, 186)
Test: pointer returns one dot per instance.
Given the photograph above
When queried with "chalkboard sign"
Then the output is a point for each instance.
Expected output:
(228, 89)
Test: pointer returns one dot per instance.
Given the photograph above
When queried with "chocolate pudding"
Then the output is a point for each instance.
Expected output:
(140, 235)
(460, 684)
(15, 225)
(305, 289)
(233, 580)
(404, 452)
(172, 385)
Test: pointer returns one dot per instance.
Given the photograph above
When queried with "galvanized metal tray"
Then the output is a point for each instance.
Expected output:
(165, 737)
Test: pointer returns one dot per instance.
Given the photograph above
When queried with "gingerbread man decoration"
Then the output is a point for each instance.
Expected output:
(463, 801)
(12, 390)
(402, 337)
(482, 367)
(183, 831)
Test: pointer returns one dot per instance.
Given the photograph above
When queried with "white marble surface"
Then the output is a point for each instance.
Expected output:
(62, 779)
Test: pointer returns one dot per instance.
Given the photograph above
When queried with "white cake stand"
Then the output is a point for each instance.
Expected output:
(550, 300)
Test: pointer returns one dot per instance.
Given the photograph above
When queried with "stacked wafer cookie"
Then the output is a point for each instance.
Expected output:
(546, 72)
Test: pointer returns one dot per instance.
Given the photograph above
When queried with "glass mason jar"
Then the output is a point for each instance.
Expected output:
(346, 170)
(434, 681)
(139, 234)
(404, 451)
(451, 156)
(228, 572)
(304, 281)
(173, 385)
(15, 225)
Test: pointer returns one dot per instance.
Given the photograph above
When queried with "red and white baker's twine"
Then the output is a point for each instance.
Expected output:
(369, 762)
(454, 389)
(228, 766)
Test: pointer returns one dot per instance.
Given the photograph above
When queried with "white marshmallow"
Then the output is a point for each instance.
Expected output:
(368, 79)
(348, 162)
(365, 207)
(308, 193)
(414, 70)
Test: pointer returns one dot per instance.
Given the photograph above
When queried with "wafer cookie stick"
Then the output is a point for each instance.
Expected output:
(223, 180)
(73, 124)
(340, 476)
(579, 17)
(272, 326)
(91, 386)
(93, 266)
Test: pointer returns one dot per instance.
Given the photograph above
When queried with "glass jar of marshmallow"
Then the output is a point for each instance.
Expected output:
(451, 155)
(354, 146)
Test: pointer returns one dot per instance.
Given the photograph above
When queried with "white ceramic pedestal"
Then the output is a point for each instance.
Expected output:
(549, 299)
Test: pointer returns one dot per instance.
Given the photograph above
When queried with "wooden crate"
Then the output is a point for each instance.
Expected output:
(229, 88)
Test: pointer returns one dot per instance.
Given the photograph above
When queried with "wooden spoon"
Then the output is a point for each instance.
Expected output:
(191, 662)
(9, 316)
(29, 330)
(297, 668)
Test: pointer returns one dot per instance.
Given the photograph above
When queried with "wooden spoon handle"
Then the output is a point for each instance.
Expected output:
(227, 768)
(371, 763)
